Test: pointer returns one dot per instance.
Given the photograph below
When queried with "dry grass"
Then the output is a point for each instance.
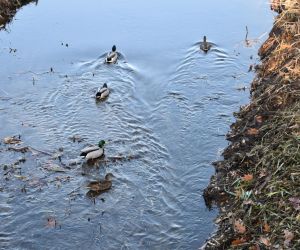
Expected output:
(257, 185)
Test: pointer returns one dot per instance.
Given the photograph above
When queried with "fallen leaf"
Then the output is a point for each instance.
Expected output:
(239, 226)
(12, 140)
(252, 131)
(266, 227)
(295, 201)
(248, 202)
(265, 241)
(288, 236)
(54, 168)
(20, 177)
(247, 177)
(255, 247)
(51, 222)
(263, 172)
(258, 119)
(237, 242)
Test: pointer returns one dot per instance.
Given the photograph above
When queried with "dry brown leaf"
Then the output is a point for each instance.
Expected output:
(266, 227)
(51, 222)
(288, 236)
(258, 119)
(247, 177)
(12, 140)
(265, 241)
(239, 226)
(252, 131)
(295, 201)
(237, 242)
(238, 193)
(263, 172)
(255, 247)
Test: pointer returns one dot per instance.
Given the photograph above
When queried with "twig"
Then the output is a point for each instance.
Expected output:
(40, 151)
(4, 92)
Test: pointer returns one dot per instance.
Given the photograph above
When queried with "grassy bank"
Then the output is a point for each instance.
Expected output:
(257, 185)
(8, 9)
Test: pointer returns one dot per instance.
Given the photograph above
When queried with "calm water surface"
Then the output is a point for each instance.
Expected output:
(169, 109)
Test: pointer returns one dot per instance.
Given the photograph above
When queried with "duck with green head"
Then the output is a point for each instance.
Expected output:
(205, 46)
(102, 92)
(112, 56)
(93, 152)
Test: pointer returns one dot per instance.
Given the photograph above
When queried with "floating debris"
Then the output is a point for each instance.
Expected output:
(12, 140)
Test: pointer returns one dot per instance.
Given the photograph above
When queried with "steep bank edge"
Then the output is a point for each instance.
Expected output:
(8, 8)
(257, 185)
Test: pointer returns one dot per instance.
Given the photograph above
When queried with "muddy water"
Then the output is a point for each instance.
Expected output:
(165, 119)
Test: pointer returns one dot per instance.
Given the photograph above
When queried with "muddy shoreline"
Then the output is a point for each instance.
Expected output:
(257, 185)
(8, 9)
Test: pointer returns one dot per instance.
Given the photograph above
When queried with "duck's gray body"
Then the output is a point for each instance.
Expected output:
(92, 152)
(102, 92)
(111, 57)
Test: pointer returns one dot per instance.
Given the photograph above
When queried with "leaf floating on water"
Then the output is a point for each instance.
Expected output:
(51, 222)
(239, 226)
(12, 140)
(20, 177)
(54, 168)
(19, 149)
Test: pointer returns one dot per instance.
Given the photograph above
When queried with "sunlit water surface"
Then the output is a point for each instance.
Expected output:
(169, 109)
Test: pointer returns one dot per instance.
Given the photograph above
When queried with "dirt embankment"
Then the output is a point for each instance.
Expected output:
(257, 185)
(8, 9)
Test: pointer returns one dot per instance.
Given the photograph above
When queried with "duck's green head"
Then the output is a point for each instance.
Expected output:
(204, 39)
(101, 144)
(114, 48)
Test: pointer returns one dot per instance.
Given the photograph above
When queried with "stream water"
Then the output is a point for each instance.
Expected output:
(165, 120)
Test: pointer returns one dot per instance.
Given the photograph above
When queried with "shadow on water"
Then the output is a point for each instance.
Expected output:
(170, 105)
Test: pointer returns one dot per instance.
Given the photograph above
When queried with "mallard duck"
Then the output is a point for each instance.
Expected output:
(93, 152)
(205, 46)
(112, 56)
(101, 185)
(102, 92)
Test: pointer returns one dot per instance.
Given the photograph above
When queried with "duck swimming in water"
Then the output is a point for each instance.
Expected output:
(101, 185)
(112, 56)
(93, 152)
(102, 92)
(205, 46)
